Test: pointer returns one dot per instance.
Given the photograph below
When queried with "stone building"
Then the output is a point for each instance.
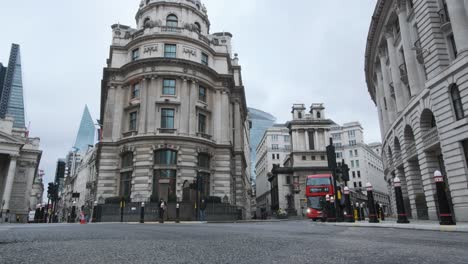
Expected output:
(310, 133)
(19, 161)
(416, 71)
(364, 161)
(173, 110)
(273, 148)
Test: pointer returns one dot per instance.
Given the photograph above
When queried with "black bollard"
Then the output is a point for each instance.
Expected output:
(402, 217)
(73, 214)
(122, 206)
(177, 213)
(446, 217)
(332, 217)
(349, 217)
(142, 213)
(93, 220)
(371, 204)
(382, 213)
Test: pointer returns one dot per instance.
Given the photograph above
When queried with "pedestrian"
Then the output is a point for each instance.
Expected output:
(202, 210)
(162, 208)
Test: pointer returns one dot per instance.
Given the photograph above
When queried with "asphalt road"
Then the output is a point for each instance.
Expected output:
(283, 242)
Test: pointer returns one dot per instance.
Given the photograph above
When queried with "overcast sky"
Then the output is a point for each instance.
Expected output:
(296, 51)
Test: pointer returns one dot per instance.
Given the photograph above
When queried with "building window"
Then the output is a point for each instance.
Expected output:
(357, 163)
(273, 156)
(355, 185)
(452, 46)
(133, 121)
(135, 54)
(274, 146)
(204, 59)
(352, 164)
(277, 156)
(274, 137)
(356, 152)
(170, 50)
(197, 27)
(164, 185)
(322, 157)
(204, 161)
(288, 180)
(202, 123)
(456, 101)
(351, 133)
(204, 184)
(287, 147)
(354, 174)
(339, 155)
(172, 21)
(167, 118)
(360, 184)
(352, 142)
(313, 157)
(287, 138)
(202, 94)
(304, 158)
(359, 174)
(169, 87)
(136, 90)
(127, 160)
(350, 153)
(165, 157)
(311, 140)
(125, 184)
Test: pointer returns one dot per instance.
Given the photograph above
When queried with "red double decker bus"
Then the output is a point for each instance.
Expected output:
(317, 187)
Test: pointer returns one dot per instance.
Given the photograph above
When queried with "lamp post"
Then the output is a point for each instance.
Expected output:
(402, 217)
(332, 217)
(327, 207)
(371, 204)
(445, 215)
(142, 213)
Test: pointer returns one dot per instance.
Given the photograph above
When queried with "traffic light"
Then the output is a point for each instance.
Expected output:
(50, 190)
(345, 172)
(331, 156)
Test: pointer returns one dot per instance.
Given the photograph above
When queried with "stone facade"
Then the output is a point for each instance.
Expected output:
(19, 161)
(173, 103)
(417, 72)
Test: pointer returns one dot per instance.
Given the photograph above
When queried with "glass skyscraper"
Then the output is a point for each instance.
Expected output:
(260, 122)
(11, 101)
(86, 132)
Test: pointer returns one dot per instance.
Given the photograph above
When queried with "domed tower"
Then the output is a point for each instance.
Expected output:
(173, 110)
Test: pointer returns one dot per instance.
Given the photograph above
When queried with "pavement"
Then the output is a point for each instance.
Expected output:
(259, 242)
(413, 225)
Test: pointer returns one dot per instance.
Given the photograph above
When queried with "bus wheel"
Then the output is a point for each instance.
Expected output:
(323, 220)
(314, 219)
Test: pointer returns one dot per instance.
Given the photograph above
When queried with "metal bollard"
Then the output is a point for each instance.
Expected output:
(445, 215)
(402, 217)
(349, 217)
(332, 217)
(177, 213)
(363, 215)
(142, 213)
(371, 204)
(357, 212)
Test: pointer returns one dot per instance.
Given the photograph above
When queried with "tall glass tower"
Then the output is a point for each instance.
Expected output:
(11, 101)
(86, 132)
(260, 122)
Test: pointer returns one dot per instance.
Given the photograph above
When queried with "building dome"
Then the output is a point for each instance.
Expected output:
(194, 3)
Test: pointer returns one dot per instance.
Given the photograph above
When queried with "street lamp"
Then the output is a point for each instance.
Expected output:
(73, 213)
(445, 213)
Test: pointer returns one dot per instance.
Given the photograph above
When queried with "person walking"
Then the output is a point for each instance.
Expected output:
(202, 210)
(162, 208)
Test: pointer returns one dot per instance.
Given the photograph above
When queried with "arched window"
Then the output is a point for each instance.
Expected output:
(319, 115)
(457, 103)
(172, 21)
(165, 157)
(197, 27)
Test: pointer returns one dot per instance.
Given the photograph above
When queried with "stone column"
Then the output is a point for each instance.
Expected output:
(402, 98)
(414, 78)
(217, 119)
(380, 97)
(152, 96)
(193, 129)
(118, 103)
(386, 87)
(142, 124)
(9, 182)
(458, 17)
(306, 134)
(316, 139)
(184, 108)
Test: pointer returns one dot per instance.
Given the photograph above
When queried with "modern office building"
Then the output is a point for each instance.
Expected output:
(260, 121)
(416, 70)
(173, 110)
(273, 148)
(11, 97)
(86, 133)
